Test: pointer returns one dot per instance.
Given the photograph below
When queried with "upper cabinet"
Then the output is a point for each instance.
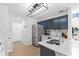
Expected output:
(56, 23)
(44, 23)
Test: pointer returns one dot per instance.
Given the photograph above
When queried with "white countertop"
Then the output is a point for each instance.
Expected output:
(62, 48)
(75, 47)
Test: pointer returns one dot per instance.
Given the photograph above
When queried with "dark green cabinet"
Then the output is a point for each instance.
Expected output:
(56, 23)
(46, 52)
(44, 23)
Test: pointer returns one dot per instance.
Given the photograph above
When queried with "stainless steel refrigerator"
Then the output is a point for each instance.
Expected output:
(37, 31)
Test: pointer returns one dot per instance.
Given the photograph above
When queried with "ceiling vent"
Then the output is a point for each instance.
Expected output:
(62, 11)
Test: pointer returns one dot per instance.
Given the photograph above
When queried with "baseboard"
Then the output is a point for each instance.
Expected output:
(10, 50)
(27, 43)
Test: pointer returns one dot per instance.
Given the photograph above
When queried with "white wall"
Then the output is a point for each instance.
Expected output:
(26, 22)
(4, 25)
(27, 34)
(56, 15)
(69, 31)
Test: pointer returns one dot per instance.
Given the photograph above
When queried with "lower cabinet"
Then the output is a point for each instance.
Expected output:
(46, 52)
(59, 54)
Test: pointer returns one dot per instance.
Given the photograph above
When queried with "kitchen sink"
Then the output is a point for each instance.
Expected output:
(54, 41)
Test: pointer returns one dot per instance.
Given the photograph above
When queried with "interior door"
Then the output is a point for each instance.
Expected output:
(17, 31)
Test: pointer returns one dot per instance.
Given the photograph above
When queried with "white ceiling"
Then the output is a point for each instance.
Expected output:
(16, 8)
(53, 8)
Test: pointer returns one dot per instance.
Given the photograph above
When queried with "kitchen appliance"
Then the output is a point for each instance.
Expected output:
(37, 31)
(56, 36)
(54, 41)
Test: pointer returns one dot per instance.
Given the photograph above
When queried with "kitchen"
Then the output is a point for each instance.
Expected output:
(54, 37)
(37, 29)
(58, 35)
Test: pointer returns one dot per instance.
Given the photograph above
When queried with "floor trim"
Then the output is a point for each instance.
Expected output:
(27, 43)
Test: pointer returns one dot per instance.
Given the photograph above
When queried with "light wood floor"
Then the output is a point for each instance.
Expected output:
(19, 49)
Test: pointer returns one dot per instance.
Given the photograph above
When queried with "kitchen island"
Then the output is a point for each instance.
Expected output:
(46, 49)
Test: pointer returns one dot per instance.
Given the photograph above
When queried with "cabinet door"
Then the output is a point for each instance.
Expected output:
(63, 23)
(48, 24)
(46, 52)
(56, 23)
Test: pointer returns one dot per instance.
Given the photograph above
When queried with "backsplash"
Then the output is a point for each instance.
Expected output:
(55, 23)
